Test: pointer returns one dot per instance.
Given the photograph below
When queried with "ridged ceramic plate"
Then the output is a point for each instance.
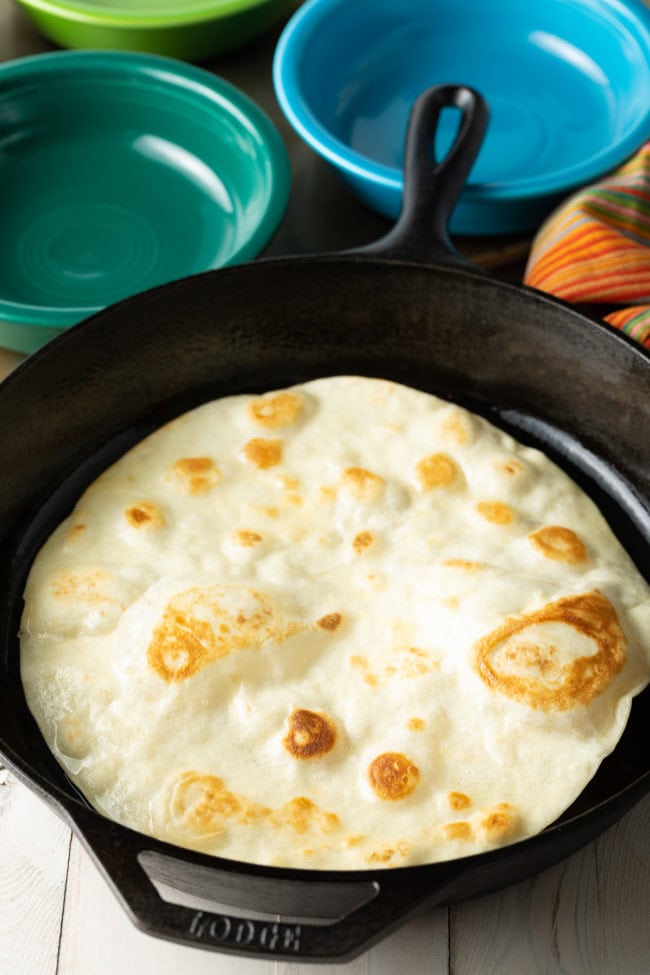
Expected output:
(119, 172)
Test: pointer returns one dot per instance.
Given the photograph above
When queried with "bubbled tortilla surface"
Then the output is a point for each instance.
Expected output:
(343, 625)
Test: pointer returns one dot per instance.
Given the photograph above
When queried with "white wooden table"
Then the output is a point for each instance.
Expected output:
(587, 916)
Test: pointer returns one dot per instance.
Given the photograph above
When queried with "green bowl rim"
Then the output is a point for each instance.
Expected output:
(81, 13)
(198, 83)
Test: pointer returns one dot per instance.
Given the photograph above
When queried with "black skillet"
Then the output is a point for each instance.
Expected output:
(577, 389)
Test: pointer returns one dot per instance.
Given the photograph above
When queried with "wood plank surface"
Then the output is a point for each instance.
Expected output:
(99, 939)
(587, 915)
(34, 849)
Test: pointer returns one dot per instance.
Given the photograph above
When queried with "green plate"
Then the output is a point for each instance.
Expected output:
(194, 30)
(119, 172)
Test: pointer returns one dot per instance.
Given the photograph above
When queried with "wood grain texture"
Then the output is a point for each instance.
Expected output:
(99, 939)
(421, 947)
(34, 847)
(586, 916)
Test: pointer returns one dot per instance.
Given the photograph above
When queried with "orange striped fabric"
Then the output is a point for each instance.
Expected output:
(595, 249)
(634, 321)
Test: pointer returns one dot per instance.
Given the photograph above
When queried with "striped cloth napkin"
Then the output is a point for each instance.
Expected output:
(595, 249)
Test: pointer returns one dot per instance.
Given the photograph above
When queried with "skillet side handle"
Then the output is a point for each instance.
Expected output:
(387, 899)
(282, 939)
(431, 187)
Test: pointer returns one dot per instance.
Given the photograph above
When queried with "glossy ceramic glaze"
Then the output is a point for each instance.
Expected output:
(194, 30)
(567, 83)
(119, 172)
(377, 312)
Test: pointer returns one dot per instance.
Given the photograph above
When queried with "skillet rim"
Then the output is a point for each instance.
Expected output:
(453, 265)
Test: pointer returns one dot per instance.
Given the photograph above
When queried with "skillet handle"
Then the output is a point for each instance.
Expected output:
(432, 187)
(372, 904)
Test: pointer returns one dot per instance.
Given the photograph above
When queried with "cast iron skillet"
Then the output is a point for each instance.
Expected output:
(577, 389)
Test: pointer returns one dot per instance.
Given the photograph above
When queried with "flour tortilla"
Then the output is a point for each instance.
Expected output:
(346, 625)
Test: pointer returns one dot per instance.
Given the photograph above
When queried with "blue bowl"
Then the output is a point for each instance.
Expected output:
(567, 83)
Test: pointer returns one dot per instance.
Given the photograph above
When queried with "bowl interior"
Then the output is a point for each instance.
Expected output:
(564, 86)
(120, 172)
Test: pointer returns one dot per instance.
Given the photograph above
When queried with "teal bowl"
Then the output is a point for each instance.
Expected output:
(120, 172)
